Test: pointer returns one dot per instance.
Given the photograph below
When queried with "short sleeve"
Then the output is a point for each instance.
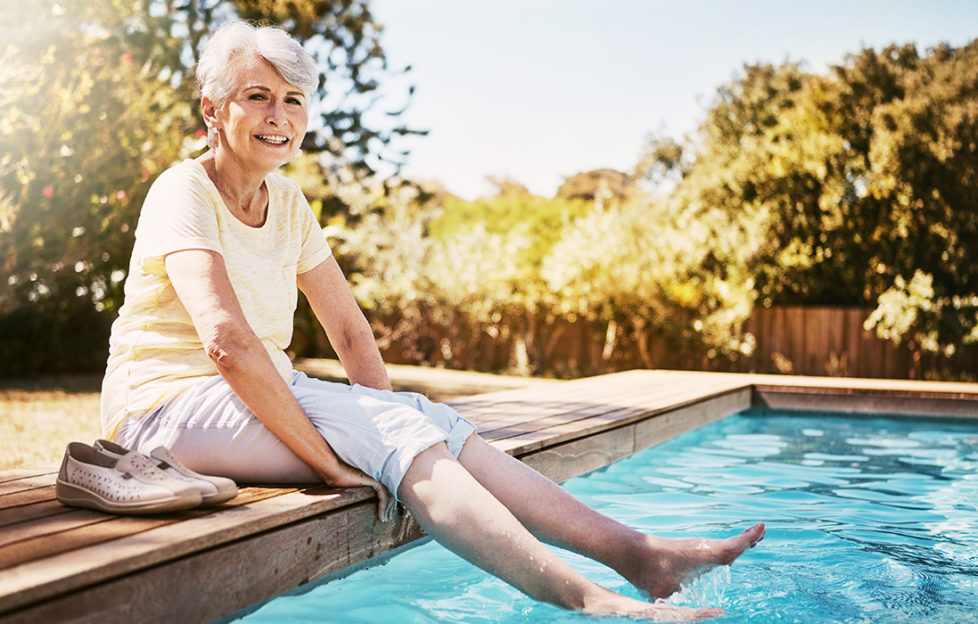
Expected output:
(315, 249)
(178, 213)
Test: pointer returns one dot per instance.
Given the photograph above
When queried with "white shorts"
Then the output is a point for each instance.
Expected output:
(380, 432)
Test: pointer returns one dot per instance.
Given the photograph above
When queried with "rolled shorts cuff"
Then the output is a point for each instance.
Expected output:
(398, 463)
(379, 431)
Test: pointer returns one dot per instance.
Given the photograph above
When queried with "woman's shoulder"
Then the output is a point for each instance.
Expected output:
(282, 182)
(181, 175)
(183, 187)
(285, 188)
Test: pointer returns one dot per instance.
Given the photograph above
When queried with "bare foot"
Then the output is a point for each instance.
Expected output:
(658, 611)
(666, 564)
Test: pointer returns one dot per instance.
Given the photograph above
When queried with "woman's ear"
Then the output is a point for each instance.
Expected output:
(209, 111)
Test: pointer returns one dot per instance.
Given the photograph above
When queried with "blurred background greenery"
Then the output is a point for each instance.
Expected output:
(848, 189)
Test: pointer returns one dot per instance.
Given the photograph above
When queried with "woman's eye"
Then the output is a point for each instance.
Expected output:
(295, 101)
(257, 96)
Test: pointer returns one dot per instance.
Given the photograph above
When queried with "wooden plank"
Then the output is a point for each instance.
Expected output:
(907, 387)
(26, 482)
(582, 455)
(783, 333)
(26, 496)
(29, 513)
(520, 418)
(54, 533)
(865, 403)
(557, 434)
(161, 540)
(809, 323)
(853, 331)
(13, 474)
(208, 586)
(583, 421)
(834, 360)
(40, 531)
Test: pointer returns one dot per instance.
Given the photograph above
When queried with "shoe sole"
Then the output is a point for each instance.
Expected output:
(217, 499)
(75, 496)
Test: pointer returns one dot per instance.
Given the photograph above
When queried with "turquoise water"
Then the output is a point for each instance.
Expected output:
(869, 520)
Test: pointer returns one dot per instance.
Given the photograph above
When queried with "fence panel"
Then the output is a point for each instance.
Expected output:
(800, 340)
(827, 340)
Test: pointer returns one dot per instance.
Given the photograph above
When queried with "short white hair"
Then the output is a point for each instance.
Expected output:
(237, 41)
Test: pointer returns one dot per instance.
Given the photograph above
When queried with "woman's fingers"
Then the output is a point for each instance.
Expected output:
(385, 502)
(347, 476)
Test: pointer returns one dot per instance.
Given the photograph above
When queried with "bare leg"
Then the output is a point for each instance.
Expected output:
(652, 564)
(463, 516)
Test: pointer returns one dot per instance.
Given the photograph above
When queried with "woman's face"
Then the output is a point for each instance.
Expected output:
(263, 122)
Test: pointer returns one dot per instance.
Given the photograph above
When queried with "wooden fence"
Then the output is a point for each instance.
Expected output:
(800, 340)
(810, 340)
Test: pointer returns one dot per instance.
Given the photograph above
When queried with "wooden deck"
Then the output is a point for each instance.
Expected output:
(60, 564)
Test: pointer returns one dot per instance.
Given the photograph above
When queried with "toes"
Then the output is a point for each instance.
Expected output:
(757, 533)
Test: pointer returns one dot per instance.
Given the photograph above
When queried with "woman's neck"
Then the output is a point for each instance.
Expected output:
(243, 192)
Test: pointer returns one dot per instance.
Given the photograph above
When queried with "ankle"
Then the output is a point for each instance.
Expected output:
(637, 553)
(601, 601)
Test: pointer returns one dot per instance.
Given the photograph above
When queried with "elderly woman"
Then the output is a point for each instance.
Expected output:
(197, 361)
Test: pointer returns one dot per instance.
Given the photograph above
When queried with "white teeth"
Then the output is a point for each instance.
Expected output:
(272, 139)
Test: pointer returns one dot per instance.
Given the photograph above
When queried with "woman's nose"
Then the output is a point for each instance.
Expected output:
(276, 113)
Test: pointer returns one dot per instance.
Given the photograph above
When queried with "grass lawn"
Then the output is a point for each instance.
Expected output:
(38, 417)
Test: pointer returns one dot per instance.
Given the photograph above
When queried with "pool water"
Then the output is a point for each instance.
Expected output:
(868, 520)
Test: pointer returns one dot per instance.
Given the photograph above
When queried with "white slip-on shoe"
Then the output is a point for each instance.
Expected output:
(130, 484)
(213, 490)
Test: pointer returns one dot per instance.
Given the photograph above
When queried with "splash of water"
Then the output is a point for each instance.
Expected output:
(707, 590)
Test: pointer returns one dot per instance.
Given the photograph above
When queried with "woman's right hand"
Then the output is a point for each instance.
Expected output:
(343, 475)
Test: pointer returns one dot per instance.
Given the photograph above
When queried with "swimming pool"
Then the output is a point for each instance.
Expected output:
(869, 520)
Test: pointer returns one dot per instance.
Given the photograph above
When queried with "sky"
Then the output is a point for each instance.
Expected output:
(537, 90)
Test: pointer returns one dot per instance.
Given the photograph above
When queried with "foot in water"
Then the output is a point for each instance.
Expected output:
(658, 611)
(662, 565)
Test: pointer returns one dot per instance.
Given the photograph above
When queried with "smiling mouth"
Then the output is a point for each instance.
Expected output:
(272, 139)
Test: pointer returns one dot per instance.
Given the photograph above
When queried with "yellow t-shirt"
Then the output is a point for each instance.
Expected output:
(154, 351)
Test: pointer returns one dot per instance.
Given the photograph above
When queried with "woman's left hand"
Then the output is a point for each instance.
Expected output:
(346, 476)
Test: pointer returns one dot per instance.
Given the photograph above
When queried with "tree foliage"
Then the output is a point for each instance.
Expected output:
(88, 117)
(599, 184)
(649, 269)
(97, 99)
(851, 187)
(865, 177)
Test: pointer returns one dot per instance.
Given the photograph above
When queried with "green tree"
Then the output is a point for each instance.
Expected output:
(88, 116)
(97, 98)
(596, 185)
(654, 272)
(864, 177)
(924, 177)
(502, 241)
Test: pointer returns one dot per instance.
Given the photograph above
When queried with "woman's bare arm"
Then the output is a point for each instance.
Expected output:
(348, 331)
(202, 284)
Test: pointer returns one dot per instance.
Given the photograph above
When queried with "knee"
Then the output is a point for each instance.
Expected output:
(427, 461)
(425, 468)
